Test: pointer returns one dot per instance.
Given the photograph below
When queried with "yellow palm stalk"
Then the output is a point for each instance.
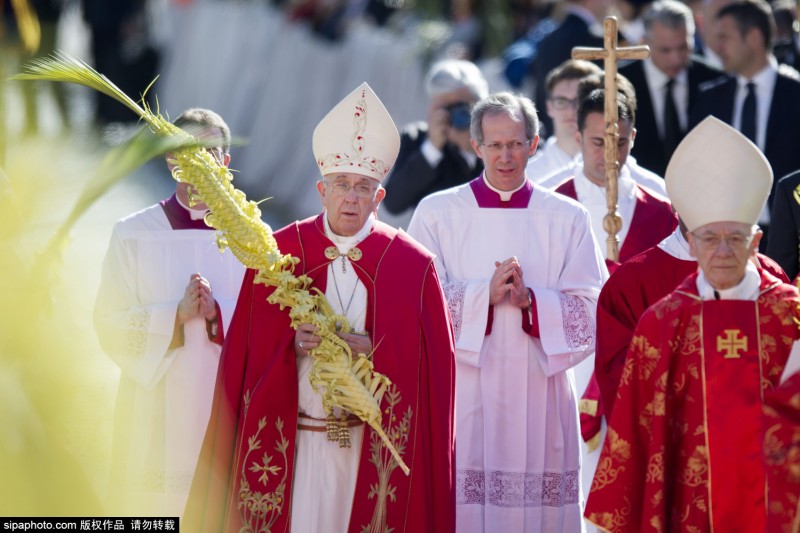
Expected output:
(348, 384)
(30, 32)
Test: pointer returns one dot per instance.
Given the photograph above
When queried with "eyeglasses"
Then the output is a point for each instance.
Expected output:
(341, 188)
(513, 146)
(561, 103)
(736, 242)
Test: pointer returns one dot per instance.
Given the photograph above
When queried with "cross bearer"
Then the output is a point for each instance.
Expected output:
(684, 443)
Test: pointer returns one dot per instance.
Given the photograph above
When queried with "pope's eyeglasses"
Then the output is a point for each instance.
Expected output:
(341, 188)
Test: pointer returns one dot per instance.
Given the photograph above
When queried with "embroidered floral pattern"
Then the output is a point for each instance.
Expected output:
(517, 489)
(136, 338)
(616, 453)
(258, 510)
(454, 292)
(397, 430)
(578, 325)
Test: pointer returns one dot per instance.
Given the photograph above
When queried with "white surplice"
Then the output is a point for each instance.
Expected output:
(517, 433)
(325, 474)
(164, 396)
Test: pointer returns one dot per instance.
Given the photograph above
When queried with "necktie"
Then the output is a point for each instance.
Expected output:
(672, 125)
(748, 123)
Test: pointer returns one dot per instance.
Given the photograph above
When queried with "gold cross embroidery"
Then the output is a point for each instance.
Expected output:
(731, 344)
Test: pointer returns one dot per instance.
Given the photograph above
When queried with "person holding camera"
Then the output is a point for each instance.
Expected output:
(436, 155)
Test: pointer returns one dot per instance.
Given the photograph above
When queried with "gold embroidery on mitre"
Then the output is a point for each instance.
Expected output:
(731, 344)
(358, 157)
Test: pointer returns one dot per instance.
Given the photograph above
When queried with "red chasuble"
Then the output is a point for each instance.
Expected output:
(636, 285)
(683, 450)
(243, 481)
(782, 455)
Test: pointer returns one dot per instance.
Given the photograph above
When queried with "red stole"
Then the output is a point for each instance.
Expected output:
(733, 421)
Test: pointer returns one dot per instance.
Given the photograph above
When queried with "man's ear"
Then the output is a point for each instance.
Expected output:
(476, 147)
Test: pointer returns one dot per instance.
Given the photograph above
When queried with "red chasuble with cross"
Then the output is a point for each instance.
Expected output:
(243, 480)
(683, 450)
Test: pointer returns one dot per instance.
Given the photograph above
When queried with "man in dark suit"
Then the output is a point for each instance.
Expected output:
(667, 84)
(784, 235)
(761, 101)
(437, 154)
(582, 26)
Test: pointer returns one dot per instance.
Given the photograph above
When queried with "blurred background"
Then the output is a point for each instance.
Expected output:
(272, 69)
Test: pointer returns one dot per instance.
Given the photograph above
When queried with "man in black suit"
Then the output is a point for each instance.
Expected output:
(582, 26)
(761, 101)
(784, 235)
(437, 154)
(667, 84)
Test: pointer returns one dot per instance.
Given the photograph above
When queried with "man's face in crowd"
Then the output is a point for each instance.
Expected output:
(669, 48)
(722, 250)
(349, 199)
(735, 50)
(592, 141)
(505, 149)
(562, 107)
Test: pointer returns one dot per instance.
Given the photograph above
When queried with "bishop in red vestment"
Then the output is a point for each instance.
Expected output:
(265, 463)
(685, 438)
(637, 284)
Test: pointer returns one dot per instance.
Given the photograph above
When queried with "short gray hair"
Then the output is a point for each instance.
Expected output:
(454, 74)
(672, 14)
(512, 105)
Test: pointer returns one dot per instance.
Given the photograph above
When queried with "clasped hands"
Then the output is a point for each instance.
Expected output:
(197, 300)
(507, 280)
(306, 339)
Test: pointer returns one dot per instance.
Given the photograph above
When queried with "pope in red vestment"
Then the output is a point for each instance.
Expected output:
(266, 464)
(256, 395)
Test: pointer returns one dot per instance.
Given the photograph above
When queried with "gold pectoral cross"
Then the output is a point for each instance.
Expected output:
(332, 252)
(731, 344)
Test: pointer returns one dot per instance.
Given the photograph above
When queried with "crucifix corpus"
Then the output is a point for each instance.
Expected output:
(610, 54)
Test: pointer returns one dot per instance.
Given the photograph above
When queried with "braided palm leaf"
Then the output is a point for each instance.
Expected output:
(348, 384)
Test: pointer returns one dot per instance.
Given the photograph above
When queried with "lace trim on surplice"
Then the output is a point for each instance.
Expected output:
(578, 324)
(515, 489)
(136, 338)
(454, 291)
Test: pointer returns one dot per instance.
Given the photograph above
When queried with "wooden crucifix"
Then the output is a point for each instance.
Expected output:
(610, 54)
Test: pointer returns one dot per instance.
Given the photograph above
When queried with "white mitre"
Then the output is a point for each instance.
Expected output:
(358, 136)
(717, 175)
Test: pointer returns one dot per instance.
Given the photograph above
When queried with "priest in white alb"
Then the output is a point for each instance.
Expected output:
(166, 296)
(521, 271)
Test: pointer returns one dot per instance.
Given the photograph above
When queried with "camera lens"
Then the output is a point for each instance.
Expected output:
(460, 115)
